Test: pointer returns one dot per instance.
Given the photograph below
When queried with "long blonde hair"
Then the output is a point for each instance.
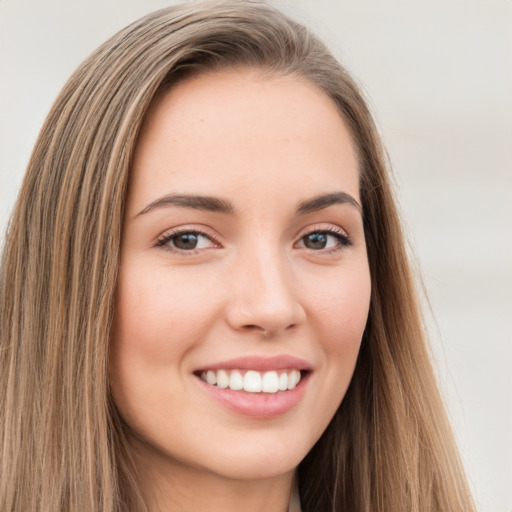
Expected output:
(388, 448)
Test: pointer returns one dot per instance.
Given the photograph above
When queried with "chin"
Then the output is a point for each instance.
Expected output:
(258, 459)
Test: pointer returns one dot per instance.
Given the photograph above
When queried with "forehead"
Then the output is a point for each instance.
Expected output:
(226, 132)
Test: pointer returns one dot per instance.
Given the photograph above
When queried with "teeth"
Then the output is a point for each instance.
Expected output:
(293, 379)
(211, 378)
(270, 382)
(222, 379)
(253, 381)
(236, 381)
(283, 381)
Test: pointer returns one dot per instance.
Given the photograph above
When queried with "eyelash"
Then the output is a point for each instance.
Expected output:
(163, 241)
(343, 239)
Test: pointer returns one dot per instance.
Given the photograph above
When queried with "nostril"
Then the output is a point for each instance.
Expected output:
(254, 327)
(267, 332)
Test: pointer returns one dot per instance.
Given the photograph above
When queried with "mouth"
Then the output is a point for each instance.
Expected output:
(253, 381)
(257, 387)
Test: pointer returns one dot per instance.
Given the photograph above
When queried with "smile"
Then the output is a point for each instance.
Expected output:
(253, 381)
(257, 387)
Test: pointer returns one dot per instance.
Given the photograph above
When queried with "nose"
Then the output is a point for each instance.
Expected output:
(263, 296)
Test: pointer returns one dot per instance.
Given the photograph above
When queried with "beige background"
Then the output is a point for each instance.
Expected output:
(439, 78)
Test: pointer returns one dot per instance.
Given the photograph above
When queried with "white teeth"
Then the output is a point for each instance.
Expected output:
(222, 379)
(253, 381)
(211, 378)
(236, 381)
(270, 382)
(293, 379)
(283, 381)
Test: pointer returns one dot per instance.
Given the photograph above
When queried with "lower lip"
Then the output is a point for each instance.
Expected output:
(258, 405)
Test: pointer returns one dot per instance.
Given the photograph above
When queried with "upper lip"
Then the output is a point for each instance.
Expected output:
(280, 362)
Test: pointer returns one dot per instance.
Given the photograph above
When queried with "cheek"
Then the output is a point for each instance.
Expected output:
(339, 316)
(159, 318)
(160, 313)
(341, 310)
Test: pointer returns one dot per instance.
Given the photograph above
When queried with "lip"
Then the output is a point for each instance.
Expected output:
(258, 405)
(261, 364)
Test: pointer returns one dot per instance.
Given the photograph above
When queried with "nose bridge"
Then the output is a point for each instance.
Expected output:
(268, 273)
(264, 296)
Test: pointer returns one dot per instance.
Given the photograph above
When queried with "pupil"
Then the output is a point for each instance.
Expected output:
(316, 241)
(186, 241)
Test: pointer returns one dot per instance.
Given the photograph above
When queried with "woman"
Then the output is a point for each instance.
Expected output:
(206, 300)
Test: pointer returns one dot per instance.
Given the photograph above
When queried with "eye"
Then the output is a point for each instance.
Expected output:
(186, 241)
(321, 240)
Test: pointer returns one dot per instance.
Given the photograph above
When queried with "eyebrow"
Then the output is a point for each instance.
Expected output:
(326, 200)
(218, 205)
(208, 203)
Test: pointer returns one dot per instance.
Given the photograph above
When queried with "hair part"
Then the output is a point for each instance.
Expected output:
(63, 446)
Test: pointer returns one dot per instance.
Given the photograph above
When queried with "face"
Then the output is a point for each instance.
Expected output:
(244, 286)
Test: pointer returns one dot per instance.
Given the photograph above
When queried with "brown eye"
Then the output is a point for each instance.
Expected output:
(325, 240)
(185, 241)
(315, 241)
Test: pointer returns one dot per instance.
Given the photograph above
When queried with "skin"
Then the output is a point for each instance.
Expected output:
(252, 287)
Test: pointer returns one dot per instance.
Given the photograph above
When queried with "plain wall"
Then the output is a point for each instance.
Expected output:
(438, 76)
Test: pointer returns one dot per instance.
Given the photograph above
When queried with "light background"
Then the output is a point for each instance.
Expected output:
(439, 78)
